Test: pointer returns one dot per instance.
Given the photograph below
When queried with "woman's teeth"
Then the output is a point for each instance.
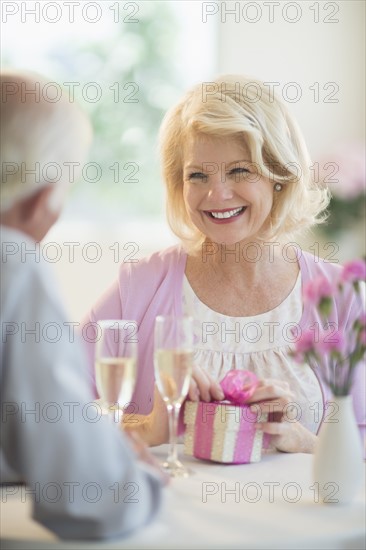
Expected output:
(228, 213)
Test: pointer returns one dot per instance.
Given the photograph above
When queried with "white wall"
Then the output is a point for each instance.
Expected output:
(304, 52)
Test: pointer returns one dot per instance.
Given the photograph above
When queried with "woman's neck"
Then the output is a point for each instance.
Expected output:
(250, 260)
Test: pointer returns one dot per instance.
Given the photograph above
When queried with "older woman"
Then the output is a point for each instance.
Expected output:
(238, 188)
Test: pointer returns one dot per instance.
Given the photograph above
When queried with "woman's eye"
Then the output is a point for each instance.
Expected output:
(239, 170)
(197, 176)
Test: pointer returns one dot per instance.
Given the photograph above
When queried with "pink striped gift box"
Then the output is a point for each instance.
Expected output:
(222, 432)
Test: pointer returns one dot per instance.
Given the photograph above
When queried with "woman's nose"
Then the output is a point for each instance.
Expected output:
(220, 187)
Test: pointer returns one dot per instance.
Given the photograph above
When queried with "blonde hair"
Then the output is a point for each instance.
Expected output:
(243, 108)
(40, 134)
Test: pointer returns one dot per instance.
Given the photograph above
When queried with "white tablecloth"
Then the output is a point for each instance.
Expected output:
(257, 506)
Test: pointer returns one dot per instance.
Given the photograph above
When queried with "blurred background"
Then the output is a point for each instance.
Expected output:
(128, 62)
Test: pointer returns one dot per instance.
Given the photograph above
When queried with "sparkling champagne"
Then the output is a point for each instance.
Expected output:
(173, 369)
(115, 378)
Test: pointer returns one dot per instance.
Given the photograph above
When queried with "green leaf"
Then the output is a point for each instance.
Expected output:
(325, 306)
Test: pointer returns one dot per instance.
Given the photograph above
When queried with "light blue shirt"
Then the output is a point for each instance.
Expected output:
(82, 476)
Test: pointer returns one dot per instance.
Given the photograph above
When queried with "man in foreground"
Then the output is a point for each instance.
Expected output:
(85, 478)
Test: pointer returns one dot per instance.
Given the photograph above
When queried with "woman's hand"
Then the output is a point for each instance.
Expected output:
(203, 387)
(153, 428)
(288, 435)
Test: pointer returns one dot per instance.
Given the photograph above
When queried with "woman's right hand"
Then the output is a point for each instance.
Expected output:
(203, 387)
(153, 428)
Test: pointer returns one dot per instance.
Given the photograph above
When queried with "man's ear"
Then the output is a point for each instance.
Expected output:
(32, 206)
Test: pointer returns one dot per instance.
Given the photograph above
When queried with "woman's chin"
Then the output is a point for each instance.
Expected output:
(231, 241)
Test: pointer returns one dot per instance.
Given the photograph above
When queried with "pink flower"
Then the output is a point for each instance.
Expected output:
(344, 169)
(318, 289)
(306, 342)
(335, 347)
(331, 340)
(354, 271)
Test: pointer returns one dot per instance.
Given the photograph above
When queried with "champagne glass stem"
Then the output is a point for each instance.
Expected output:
(114, 414)
(173, 412)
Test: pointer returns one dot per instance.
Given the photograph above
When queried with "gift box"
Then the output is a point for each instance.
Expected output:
(222, 432)
(225, 431)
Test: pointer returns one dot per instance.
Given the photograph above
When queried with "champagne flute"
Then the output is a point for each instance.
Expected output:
(173, 358)
(116, 365)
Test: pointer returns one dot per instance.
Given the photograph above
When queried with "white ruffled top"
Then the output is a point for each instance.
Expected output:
(259, 343)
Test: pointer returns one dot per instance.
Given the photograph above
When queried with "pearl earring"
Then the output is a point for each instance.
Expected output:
(278, 187)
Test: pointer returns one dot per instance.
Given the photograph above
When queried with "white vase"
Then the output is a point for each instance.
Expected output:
(338, 469)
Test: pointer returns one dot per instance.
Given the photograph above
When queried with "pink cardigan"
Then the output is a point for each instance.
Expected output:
(153, 286)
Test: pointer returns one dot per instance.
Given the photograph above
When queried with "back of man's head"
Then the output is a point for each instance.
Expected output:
(44, 138)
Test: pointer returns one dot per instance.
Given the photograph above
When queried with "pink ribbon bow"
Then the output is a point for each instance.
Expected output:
(239, 385)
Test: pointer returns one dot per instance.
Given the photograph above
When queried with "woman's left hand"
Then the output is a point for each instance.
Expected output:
(287, 435)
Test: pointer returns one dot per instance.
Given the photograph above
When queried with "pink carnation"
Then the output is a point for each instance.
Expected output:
(331, 341)
(306, 342)
(344, 169)
(316, 290)
(354, 271)
(343, 349)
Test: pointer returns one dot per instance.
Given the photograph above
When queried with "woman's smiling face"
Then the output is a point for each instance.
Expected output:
(225, 196)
